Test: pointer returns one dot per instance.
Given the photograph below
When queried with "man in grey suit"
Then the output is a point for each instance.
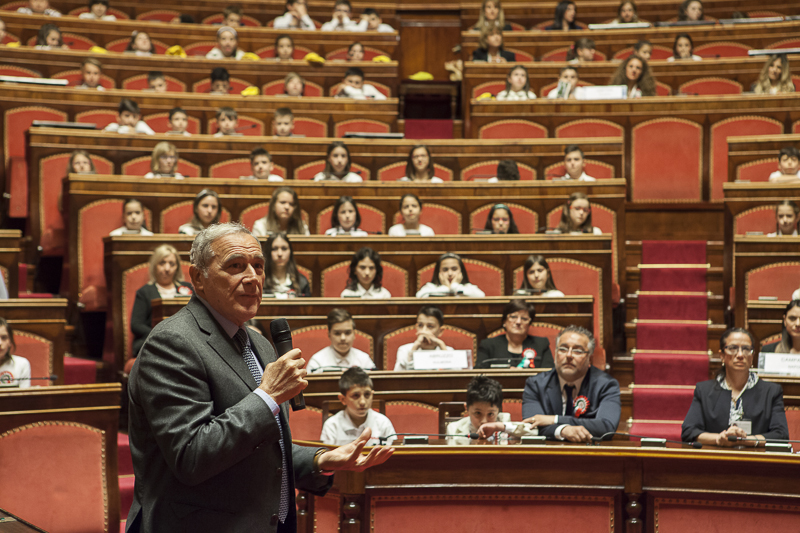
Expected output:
(209, 425)
(575, 401)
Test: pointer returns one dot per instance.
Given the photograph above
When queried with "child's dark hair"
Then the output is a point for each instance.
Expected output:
(438, 266)
(220, 74)
(572, 148)
(338, 205)
(483, 389)
(639, 44)
(789, 151)
(354, 377)
(337, 316)
(583, 42)
(343, 3)
(433, 312)
(283, 112)
(354, 71)
(372, 255)
(44, 31)
(532, 260)
(411, 195)
(678, 38)
(371, 11)
(507, 170)
(283, 36)
(94, 2)
(153, 75)
(227, 112)
(512, 226)
(176, 110)
(128, 105)
(257, 152)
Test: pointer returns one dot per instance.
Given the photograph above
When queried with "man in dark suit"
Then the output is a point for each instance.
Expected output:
(209, 425)
(575, 401)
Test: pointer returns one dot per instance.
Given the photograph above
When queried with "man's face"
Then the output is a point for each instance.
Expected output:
(235, 277)
(158, 85)
(342, 336)
(126, 118)
(572, 356)
(284, 126)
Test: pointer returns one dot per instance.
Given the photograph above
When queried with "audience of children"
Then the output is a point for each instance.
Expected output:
(227, 122)
(353, 86)
(283, 215)
(490, 47)
(775, 76)
(581, 51)
(284, 48)
(500, 220)
(227, 45)
(537, 280)
(206, 210)
(39, 7)
(410, 210)
(129, 119)
(419, 166)
(133, 217)
(49, 37)
(787, 215)
(337, 165)
(156, 81)
(430, 326)
(296, 17)
(567, 87)
(788, 166)
(220, 81)
(15, 371)
(91, 69)
(164, 162)
(518, 86)
(340, 354)
(365, 276)
(565, 17)
(575, 164)
(283, 122)
(98, 10)
(450, 278)
(690, 10)
(345, 219)
(576, 217)
(294, 85)
(371, 21)
(635, 75)
(356, 394)
(491, 14)
(178, 122)
(140, 44)
(282, 279)
(261, 166)
(683, 48)
(341, 17)
(626, 13)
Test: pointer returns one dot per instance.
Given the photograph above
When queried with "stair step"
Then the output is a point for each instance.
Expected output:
(661, 402)
(712, 338)
(715, 253)
(715, 304)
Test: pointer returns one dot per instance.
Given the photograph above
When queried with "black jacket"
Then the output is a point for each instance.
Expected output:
(482, 54)
(142, 313)
(497, 348)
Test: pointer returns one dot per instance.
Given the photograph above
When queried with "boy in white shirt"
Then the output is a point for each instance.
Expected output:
(353, 86)
(91, 69)
(283, 122)
(575, 164)
(371, 21)
(227, 122)
(484, 416)
(788, 165)
(261, 165)
(355, 393)
(128, 119)
(296, 17)
(340, 354)
(430, 325)
(341, 18)
(156, 82)
(178, 121)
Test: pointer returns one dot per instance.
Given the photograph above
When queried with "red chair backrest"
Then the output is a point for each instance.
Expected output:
(492, 87)
(276, 87)
(311, 339)
(723, 49)
(121, 15)
(306, 424)
(74, 77)
(512, 129)
(141, 166)
(236, 168)
(140, 83)
(590, 127)
(488, 169)
(72, 40)
(413, 417)
(39, 353)
(95, 221)
(361, 125)
(248, 126)
(13, 70)
(442, 220)
(456, 338)
(777, 280)
(525, 218)
(160, 123)
(176, 215)
(100, 118)
(786, 43)
(159, 15)
(486, 277)
(395, 171)
(310, 127)
(372, 219)
(218, 19)
(659, 53)
(756, 170)
(249, 216)
(758, 219)
(595, 169)
(710, 86)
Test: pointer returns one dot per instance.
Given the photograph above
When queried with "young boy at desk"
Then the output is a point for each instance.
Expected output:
(484, 416)
(283, 122)
(430, 325)
(355, 393)
(227, 122)
(261, 166)
(178, 122)
(129, 119)
(340, 354)
(788, 166)
(156, 82)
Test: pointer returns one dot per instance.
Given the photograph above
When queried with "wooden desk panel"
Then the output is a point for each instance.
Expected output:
(10, 257)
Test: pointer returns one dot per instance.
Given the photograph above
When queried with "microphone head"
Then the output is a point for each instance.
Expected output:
(696, 445)
(474, 436)
(279, 329)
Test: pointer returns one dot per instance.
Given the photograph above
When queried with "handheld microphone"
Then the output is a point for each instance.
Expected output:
(610, 435)
(282, 338)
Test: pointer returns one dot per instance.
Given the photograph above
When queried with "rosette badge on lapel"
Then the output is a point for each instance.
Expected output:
(184, 291)
(581, 404)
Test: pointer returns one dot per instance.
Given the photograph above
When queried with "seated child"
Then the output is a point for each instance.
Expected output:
(365, 276)
(294, 85)
(340, 354)
(341, 18)
(430, 322)
(98, 10)
(164, 162)
(582, 51)
(419, 166)
(80, 163)
(283, 122)
(567, 87)
(156, 82)
(261, 165)
(220, 81)
(232, 16)
(500, 220)
(140, 44)
(227, 45)
(49, 37)
(484, 416)
(345, 219)
(575, 164)
(284, 48)
(129, 119)
(90, 73)
(788, 166)
(337, 165)
(450, 278)
(518, 87)
(39, 7)
(410, 210)
(576, 216)
(371, 21)
(296, 17)
(643, 49)
(133, 215)
(16, 370)
(178, 121)
(683, 48)
(353, 86)
(227, 122)
(507, 170)
(355, 393)
(284, 215)
(787, 214)
(490, 47)
(355, 52)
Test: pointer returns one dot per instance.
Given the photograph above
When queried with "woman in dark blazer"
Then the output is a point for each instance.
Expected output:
(516, 343)
(166, 281)
(723, 405)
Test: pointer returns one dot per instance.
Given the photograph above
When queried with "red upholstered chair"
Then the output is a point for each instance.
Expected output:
(769, 340)
(268, 52)
(334, 279)
(13, 6)
(395, 171)
(95, 221)
(310, 127)
(311, 339)
(218, 19)
(340, 54)
(488, 169)
(596, 169)
(360, 125)
(659, 53)
(512, 129)
(486, 277)
(513, 406)
(520, 56)
(235, 168)
(720, 131)
(776, 280)
(662, 89)
(722, 49)
(73, 40)
(545, 90)
(121, 15)
(276, 87)
(456, 338)
(710, 86)
(100, 118)
(52, 170)
(74, 77)
(656, 174)
(372, 219)
(204, 86)
(492, 87)
(413, 417)
(176, 215)
(590, 127)
(38, 351)
(15, 152)
(160, 123)
(786, 43)
(793, 422)
(121, 45)
(10, 38)
(13, 70)
(525, 218)
(68, 485)
(309, 170)
(756, 170)
(140, 83)
(383, 89)
(759, 219)
(306, 424)
(442, 219)
(248, 126)
(158, 15)
(141, 166)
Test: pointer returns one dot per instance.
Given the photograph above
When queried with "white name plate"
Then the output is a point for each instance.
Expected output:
(603, 92)
(442, 359)
(782, 363)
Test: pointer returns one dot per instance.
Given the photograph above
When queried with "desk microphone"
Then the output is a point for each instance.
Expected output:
(610, 435)
(14, 382)
(282, 338)
(473, 436)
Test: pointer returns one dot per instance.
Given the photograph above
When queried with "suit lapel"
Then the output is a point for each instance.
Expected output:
(554, 394)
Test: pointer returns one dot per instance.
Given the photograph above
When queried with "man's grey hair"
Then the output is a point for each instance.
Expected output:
(582, 331)
(202, 252)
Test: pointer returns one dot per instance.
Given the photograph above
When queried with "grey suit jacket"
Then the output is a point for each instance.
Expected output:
(206, 452)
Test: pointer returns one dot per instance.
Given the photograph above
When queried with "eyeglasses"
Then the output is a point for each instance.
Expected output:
(577, 351)
(517, 318)
(732, 349)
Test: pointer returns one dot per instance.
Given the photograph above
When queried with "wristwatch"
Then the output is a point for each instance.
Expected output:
(317, 470)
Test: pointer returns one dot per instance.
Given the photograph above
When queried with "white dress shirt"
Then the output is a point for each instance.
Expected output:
(399, 230)
(340, 429)
(141, 127)
(352, 232)
(125, 231)
(287, 22)
(361, 292)
(562, 383)
(462, 289)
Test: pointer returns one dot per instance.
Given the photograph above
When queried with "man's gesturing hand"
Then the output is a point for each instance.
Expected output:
(348, 457)
(285, 378)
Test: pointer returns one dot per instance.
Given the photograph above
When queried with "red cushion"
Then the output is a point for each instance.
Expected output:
(99, 118)
(372, 219)
(755, 171)
(38, 351)
(95, 221)
(310, 127)
(512, 129)
(159, 15)
(306, 424)
(488, 169)
(717, 50)
(492, 87)
(140, 83)
(361, 125)
(589, 128)
(160, 123)
(777, 280)
(443, 220)
(710, 86)
(758, 219)
(413, 417)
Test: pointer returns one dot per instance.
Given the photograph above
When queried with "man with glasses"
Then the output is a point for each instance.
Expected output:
(575, 401)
